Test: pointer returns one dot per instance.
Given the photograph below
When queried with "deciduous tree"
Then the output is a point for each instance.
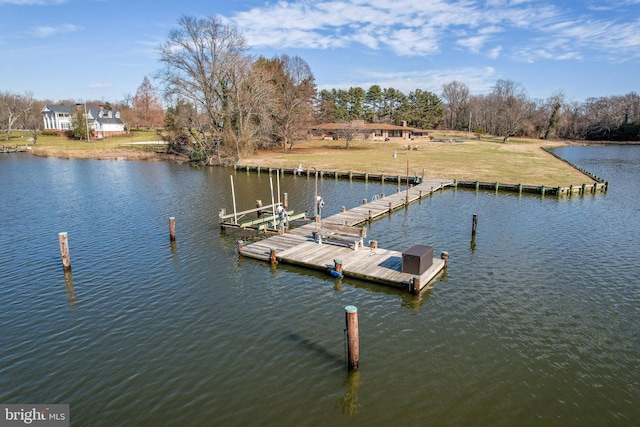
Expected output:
(148, 111)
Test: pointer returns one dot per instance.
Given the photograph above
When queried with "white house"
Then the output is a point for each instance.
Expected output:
(103, 123)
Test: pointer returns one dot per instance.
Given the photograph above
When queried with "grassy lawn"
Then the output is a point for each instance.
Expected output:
(520, 161)
(107, 148)
(517, 162)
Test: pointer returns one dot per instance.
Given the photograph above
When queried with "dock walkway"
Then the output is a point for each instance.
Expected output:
(371, 263)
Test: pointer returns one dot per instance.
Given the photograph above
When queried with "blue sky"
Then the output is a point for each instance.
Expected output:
(102, 49)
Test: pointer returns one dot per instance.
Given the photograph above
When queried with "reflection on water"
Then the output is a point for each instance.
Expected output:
(533, 323)
(68, 284)
(349, 402)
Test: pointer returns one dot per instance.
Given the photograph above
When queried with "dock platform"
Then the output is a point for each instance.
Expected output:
(299, 246)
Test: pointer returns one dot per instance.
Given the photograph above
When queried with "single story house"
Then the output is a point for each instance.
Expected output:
(103, 123)
(374, 131)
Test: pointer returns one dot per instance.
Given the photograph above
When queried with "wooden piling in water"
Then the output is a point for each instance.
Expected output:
(445, 256)
(474, 225)
(272, 256)
(337, 265)
(353, 341)
(64, 251)
(172, 229)
(373, 244)
(285, 200)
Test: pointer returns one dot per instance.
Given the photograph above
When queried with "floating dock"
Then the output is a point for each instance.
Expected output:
(304, 246)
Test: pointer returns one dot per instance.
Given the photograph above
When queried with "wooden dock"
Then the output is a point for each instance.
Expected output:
(299, 246)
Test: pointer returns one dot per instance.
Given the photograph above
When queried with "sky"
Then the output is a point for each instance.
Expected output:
(103, 49)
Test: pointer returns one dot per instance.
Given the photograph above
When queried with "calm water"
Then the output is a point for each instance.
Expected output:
(536, 324)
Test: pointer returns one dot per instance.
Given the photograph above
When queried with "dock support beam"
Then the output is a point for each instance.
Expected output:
(414, 288)
(353, 341)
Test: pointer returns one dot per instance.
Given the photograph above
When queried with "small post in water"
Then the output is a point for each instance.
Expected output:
(64, 251)
(172, 229)
(474, 226)
(353, 342)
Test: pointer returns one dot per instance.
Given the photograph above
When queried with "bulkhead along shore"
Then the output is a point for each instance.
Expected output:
(446, 155)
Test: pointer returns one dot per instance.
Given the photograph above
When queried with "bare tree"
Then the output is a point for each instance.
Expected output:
(147, 107)
(511, 103)
(13, 107)
(350, 131)
(456, 95)
(293, 88)
(205, 66)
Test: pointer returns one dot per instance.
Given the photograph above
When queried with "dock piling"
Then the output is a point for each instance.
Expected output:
(172, 229)
(474, 225)
(353, 342)
(445, 256)
(64, 251)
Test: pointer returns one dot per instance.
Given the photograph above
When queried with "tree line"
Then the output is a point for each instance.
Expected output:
(222, 103)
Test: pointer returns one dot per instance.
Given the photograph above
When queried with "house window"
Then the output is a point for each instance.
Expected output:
(395, 134)
(377, 132)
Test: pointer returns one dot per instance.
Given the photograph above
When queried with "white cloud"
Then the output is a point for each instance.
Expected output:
(48, 31)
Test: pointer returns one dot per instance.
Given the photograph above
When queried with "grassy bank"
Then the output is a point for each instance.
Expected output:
(122, 147)
(520, 161)
(517, 162)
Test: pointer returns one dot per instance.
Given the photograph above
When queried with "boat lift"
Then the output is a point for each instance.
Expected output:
(267, 218)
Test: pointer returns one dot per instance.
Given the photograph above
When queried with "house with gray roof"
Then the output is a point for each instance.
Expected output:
(103, 122)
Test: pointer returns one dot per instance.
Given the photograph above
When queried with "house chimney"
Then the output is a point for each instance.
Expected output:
(404, 123)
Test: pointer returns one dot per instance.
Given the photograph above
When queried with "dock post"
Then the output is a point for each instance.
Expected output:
(445, 256)
(474, 225)
(258, 206)
(477, 185)
(172, 229)
(364, 201)
(390, 208)
(272, 256)
(337, 263)
(343, 209)
(366, 178)
(240, 245)
(64, 251)
(373, 244)
(542, 190)
(353, 341)
(285, 200)
(414, 287)
(370, 217)
(519, 188)
(584, 188)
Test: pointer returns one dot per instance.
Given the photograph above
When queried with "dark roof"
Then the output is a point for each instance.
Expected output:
(60, 108)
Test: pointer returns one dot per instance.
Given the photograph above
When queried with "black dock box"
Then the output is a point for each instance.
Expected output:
(417, 259)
